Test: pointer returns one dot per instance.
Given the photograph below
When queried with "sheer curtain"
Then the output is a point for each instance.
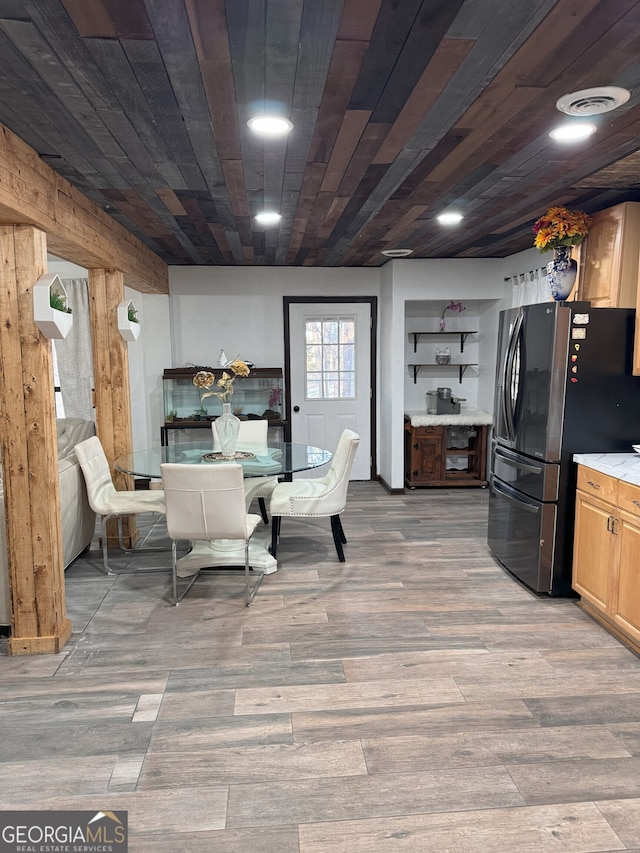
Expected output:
(75, 356)
(529, 288)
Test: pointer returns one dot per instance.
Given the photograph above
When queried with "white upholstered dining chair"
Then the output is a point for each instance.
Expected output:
(253, 437)
(106, 501)
(204, 503)
(320, 497)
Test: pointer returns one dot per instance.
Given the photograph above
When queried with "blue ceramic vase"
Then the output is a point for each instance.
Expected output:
(561, 273)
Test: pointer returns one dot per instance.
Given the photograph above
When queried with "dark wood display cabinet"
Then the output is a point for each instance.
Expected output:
(445, 455)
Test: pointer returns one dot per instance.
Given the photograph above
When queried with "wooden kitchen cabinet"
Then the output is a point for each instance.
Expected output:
(434, 457)
(609, 255)
(626, 597)
(606, 565)
(593, 550)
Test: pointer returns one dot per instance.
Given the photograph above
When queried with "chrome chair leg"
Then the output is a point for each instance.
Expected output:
(138, 549)
(174, 568)
(251, 591)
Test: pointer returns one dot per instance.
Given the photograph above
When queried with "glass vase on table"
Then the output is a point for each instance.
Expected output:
(228, 427)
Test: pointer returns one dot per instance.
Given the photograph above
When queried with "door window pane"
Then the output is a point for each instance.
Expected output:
(330, 358)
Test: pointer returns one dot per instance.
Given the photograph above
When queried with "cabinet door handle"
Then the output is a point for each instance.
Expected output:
(636, 503)
(593, 485)
(609, 519)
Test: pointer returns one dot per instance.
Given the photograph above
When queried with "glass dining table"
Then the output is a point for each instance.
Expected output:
(258, 462)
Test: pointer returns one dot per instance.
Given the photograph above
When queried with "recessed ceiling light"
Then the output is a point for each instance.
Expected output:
(270, 125)
(573, 131)
(268, 217)
(451, 217)
(397, 253)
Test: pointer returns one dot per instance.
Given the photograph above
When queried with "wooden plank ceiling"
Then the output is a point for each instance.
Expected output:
(401, 109)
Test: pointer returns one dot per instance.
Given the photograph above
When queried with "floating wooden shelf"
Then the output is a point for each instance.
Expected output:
(463, 337)
(461, 369)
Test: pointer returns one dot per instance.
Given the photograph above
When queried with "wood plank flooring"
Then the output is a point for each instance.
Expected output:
(415, 698)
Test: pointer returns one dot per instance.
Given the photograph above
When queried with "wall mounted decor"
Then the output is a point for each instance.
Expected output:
(54, 323)
(128, 328)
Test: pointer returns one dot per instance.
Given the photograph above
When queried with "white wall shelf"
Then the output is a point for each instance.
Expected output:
(129, 330)
(52, 323)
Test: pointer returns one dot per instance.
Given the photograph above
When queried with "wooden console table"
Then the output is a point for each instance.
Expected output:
(446, 450)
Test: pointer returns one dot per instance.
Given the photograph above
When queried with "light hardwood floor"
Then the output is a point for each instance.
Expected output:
(415, 698)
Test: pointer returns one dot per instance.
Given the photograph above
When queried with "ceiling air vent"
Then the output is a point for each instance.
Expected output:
(397, 253)
(593, 102)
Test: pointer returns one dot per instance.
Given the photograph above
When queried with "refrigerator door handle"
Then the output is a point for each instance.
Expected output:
(507, 389)
(510, 460)
(518, 500)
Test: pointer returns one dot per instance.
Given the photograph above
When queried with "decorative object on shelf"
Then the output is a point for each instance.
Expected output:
(227, 425)
(452, 306)
(558, 230)
(562, 272)
(51, 313)
(128, 322)
(443, 356)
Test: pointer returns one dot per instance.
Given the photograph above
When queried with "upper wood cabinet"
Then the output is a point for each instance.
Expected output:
(609, 256)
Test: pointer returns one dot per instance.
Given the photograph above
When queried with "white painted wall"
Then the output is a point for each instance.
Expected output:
(421, 286)
(239, 309)
(388, 388)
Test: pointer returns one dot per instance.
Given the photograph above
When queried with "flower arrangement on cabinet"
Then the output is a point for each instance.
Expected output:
(560, 227)
(204, 379)
(452, 306)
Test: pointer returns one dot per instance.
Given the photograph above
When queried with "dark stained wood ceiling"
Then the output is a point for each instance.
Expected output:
(401, 109)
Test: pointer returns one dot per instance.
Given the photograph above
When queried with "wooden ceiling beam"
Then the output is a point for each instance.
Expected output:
(31, 193)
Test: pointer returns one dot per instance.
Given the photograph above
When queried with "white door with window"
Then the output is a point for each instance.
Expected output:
(330, 358)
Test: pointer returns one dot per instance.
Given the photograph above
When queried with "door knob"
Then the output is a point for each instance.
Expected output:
(296, 408)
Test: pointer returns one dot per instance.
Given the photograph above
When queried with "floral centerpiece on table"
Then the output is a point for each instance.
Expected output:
(452, 306)
(204, 379)
(560, 227)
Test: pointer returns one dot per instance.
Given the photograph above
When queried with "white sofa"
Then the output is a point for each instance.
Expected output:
(77, 518)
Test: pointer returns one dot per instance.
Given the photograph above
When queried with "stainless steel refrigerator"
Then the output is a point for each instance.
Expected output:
(563, 386)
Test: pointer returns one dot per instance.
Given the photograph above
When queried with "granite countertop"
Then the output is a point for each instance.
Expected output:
(622, 466)
(467, 417)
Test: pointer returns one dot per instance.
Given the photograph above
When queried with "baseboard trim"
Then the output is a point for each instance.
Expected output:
(386, 486)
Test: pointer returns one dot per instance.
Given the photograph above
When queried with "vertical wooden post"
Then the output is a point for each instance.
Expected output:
(29, 452)
(111, 380)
